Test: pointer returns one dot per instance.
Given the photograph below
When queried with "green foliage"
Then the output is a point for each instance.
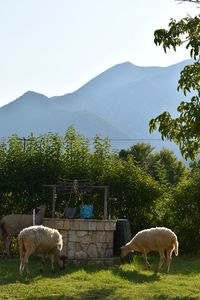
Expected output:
(185, 211)
(48, 158)
(23, 172)
(163, 166)
(166, 168)
(150, 189)
(100, 158)
(187, 31)
(185, 129)
(76, 155)
(141, 153)
(136, 193)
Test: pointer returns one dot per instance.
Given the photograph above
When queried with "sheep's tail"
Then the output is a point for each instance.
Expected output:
(21, 247)
(176, 247)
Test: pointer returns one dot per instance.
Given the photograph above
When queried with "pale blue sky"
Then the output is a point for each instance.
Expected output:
(55, 46)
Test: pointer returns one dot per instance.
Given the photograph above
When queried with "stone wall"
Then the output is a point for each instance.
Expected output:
(85, 238)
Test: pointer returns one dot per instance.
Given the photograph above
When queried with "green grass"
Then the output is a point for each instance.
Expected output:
(129, 281)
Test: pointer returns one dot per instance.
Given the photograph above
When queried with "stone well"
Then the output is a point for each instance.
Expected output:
(85, 238)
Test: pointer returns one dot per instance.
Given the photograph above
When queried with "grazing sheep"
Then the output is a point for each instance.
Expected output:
(42, 241)
(158, 239)
(11, 225)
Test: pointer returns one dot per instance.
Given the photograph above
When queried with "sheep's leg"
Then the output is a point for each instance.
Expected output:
(4, 237)
(28, 249)
(162, 260)
(52, 264)
(24, 265)
(60, 260)
(21, 255)
(43, 262)
(27, 254)
(4, 246)
(169, 259)
(21, 268)
(8, 241)
(146, 263)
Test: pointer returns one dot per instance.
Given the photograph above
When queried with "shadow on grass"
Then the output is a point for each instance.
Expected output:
(183, 264)
(91, 294)
(166, 297)
(9, 278)
(56, 297)
(186, 264)
(9, 271)
(135, 276)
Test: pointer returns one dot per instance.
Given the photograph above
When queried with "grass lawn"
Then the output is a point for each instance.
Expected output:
(128, 281)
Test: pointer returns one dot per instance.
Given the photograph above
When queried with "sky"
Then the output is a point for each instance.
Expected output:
(54, 47)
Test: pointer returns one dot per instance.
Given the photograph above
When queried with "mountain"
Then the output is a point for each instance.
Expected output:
(118, 104)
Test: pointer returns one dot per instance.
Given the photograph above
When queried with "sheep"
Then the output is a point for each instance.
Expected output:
(158, 239)
(40, 240)
(12, 224)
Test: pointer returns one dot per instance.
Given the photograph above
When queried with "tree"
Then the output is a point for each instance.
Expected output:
(185, 210)
(185, 129)
(47, 158)
(140, 152)
(137, 193)
(193, 1)
(76, 154)
(166, 168)
(163, 166)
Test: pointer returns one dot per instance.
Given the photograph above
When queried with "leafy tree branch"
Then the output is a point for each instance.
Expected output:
(185, 129)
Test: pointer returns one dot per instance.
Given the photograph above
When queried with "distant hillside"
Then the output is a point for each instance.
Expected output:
(118, 104)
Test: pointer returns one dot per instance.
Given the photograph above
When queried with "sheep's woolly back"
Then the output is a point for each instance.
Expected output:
(14, 223)
(42, 239)
(154, 239)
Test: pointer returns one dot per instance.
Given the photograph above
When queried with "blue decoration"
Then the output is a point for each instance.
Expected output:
(86, 211)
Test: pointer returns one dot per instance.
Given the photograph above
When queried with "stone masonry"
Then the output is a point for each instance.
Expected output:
(85, 238)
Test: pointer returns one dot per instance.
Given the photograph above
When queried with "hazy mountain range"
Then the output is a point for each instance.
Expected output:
(117, 104)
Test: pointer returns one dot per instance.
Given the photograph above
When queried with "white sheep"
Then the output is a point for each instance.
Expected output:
(42, 241)
(12, 224)
(158, 239)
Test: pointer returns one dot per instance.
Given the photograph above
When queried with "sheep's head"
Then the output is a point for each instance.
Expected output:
(41, 208)
(124, 253)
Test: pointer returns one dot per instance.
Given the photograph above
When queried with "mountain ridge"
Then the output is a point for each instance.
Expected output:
(118, 104)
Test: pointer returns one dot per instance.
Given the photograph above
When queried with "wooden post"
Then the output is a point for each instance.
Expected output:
(33, 217)
(54, 201)
(105, 210)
